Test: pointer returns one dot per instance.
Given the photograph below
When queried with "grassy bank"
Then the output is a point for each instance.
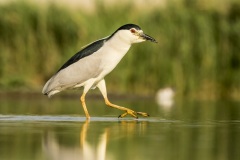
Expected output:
(198, 50)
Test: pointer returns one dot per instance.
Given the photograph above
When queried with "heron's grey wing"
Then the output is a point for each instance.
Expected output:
(77, 69)
(81, 71)
(88, 50)
(76, 73)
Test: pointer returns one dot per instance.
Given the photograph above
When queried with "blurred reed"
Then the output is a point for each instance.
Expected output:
(197, 54)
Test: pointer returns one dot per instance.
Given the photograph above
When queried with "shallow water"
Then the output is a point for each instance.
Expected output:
(40, 128)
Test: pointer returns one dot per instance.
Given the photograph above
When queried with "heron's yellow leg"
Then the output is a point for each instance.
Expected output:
(128, 111)
(102, 87)
(82, 99)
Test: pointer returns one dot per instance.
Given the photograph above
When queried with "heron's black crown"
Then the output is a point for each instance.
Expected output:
(124, 27)
(129, 26)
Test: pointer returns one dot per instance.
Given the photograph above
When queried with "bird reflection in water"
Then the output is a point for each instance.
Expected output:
(86, 150)
(89, 151)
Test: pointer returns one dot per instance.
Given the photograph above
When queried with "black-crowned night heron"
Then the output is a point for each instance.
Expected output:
(89, 66)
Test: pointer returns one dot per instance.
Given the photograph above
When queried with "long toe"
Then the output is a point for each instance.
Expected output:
(133, 113)
(143, 114)
(130, 112)
(122, 115)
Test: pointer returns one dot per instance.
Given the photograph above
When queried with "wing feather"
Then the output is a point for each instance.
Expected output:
(77, 69)
(86, 51)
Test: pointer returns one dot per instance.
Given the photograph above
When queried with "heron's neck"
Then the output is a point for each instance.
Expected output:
(120, 44)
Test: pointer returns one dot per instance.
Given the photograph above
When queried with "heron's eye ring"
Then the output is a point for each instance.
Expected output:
(132, 30)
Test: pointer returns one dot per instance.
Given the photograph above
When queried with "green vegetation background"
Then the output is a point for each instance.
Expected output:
(197, 54)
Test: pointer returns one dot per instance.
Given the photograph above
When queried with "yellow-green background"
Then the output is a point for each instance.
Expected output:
(198, 51)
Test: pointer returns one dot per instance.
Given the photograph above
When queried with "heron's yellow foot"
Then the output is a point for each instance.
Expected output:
(127, 110)
(133, 113)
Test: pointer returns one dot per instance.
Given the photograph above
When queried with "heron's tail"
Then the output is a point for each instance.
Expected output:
(45, 89)
(48, 88)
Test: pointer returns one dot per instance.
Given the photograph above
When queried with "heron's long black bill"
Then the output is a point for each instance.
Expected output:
(148, 38)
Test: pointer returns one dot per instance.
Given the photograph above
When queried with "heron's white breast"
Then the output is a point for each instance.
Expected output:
(111, 54)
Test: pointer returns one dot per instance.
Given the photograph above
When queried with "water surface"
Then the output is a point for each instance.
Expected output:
(41, 128)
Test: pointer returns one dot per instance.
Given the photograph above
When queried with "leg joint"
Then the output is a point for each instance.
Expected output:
(107, 102)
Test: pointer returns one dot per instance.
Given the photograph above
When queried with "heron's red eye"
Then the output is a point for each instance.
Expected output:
(133, 30)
